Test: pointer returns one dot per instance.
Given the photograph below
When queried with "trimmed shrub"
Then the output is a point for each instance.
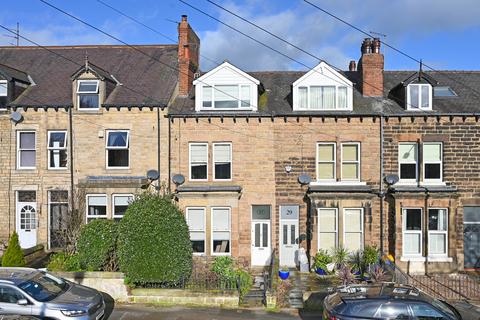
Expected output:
(13, 256)
(64, 262)
(97, 244)
(154, 242)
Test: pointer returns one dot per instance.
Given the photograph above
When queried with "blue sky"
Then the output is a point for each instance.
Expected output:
(444, 34)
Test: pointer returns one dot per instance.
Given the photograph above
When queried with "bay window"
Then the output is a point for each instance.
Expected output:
(198, 159)
(57, 149)
(221, 230)
(327, 228)
(412, 232)
(437, 232)
(196, 225)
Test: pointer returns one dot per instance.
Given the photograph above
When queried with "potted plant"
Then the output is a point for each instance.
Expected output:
(322, 260)
(370, 258)
(283, 273)
(356, 261)
(340, 257)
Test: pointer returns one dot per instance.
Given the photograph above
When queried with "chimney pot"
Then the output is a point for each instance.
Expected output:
(184, 17)
(376, 45)
(352, 66)
(367, 45)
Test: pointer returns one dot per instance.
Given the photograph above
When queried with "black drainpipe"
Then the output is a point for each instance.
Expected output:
(70, 122)
(169, 154)
(158, 149)
(381, 193)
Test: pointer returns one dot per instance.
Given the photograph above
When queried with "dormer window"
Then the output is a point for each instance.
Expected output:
(3, 88)
(88, 94)
(226, 96)
(322, 98)
(419, 97)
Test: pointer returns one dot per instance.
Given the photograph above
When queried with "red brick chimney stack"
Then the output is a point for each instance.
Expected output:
(188, 52)
(371, 66)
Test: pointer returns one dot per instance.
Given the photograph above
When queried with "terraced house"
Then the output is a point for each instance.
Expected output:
(260, 162)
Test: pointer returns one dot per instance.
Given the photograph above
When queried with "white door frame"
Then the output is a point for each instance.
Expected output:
(280, 231)
(268, 249)
(32, 241)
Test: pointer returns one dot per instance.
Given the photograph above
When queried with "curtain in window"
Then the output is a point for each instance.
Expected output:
(432, 152)
(350, 162)
(425, 89)
(328, 98)
(413, 96)
(226, 96)
(315, 98)
(326, 163)
(245, 96)
(302, 97)
(118, 139)
(221, 230)
(342, 97)
(207, 96)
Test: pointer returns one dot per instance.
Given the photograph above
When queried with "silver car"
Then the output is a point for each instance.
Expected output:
(29, 292)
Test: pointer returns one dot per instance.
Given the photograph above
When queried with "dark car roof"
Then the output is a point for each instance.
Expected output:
(16, 275)
(385, 291)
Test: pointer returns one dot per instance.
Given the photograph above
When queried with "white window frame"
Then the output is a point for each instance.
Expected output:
(318, 226)
(213, 253)
(362, 228)
(59, 148)
(358, 162)
(419, 85)
(5, 84)
(317, 162)
(87, 216)
(407, 181)
(335, 108)
(405, 231)
(107, 148)
(239, 99)
(440, 180)
(19, 151)
(97, 82)
(231, 160)
(116, 195)
(441, 232)
(187, 209)
(190, 160)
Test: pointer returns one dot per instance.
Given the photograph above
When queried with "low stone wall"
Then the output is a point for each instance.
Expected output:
(109, 282)
(184, 297)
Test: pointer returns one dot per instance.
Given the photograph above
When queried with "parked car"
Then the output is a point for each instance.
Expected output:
(30, 292)
(391, 301)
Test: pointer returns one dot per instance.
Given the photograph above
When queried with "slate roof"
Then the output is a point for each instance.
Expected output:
(278, 85)
(9, 73)
(150, 83)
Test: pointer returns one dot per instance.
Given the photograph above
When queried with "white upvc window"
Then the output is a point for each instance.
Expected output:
(198, 161)
(322, 97)
(96, 206)
(353, 229)
(3, 88)
(227, 96)
(419, 96)
(351, 161)
(221, 231)
(88, 94)
(432, 162)
(326, 161)
(117, 149)
(196, 220)
(120, 203)
(26, 150)
(408, 162)
(57, 149)
(327, 228)
(437, 232)
(412, 227)
(222, 161)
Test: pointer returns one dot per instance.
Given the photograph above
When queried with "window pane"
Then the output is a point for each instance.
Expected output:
(221, 246)
(198, 246)
(196, 219)
(207, 96)
(327, 220)
(97, 210)
(353, 220)
(353, 241)
(27, 196)
(58, 158)
(407, 152)
(350, 171)
(412, 243)
(57, 139)
(293, 237)
(414, 219)
(437, 219)
(58, 196)
(246, 96)
(198, 153)
(315, 97)
(222, 152)
(97, 200)
(221, 219)
(302, 97)
(27, 159)
(327, 241)
(117, 139)
(437, 243)
(413, 96)
(408, 171)
(88, 101)
(265, 235)
(257, 235)
(342, 97)
(326, 152)
(198, 171)
(328, 98)
(432, 152)
(425, 96)
(432, 171)
(88, 86)
(222, 170)
(3, 88)
(226, 96)
(120, 204)
(27, 140)
(260, 212)
(350, 152)
(326, 171)
(118, 158)
(285, 234)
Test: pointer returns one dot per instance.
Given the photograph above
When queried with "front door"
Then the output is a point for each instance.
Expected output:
(289, 235)
(471, 236)
(26, 218)
(261, 235)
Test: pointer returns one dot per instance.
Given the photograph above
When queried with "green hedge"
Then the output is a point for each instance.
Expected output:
(96, 245)
(154, 242)
(13, 256)
(64, 262)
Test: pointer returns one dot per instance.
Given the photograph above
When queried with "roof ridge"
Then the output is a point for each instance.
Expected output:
(89, 46)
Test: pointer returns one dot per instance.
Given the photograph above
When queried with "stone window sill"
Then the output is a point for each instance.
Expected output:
(430, 259)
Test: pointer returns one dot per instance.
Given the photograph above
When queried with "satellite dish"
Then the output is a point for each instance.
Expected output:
(178, 179)
(304, 179)
(391, 179)
(153, 175)
(16, 117)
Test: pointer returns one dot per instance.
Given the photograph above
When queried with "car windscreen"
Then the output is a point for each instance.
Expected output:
(358, 308)
(446, 308)
(43, 287)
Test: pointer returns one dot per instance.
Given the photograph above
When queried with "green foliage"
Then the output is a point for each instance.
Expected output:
(262, 101)
(96, 245)
(224, 267)
(13, 256)
(345, 275)
(322, 259)
(340, 256)
(283, 290)
(245, 280)
(356, 261)
(371, 256)
(64, 262)
(154, 242)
